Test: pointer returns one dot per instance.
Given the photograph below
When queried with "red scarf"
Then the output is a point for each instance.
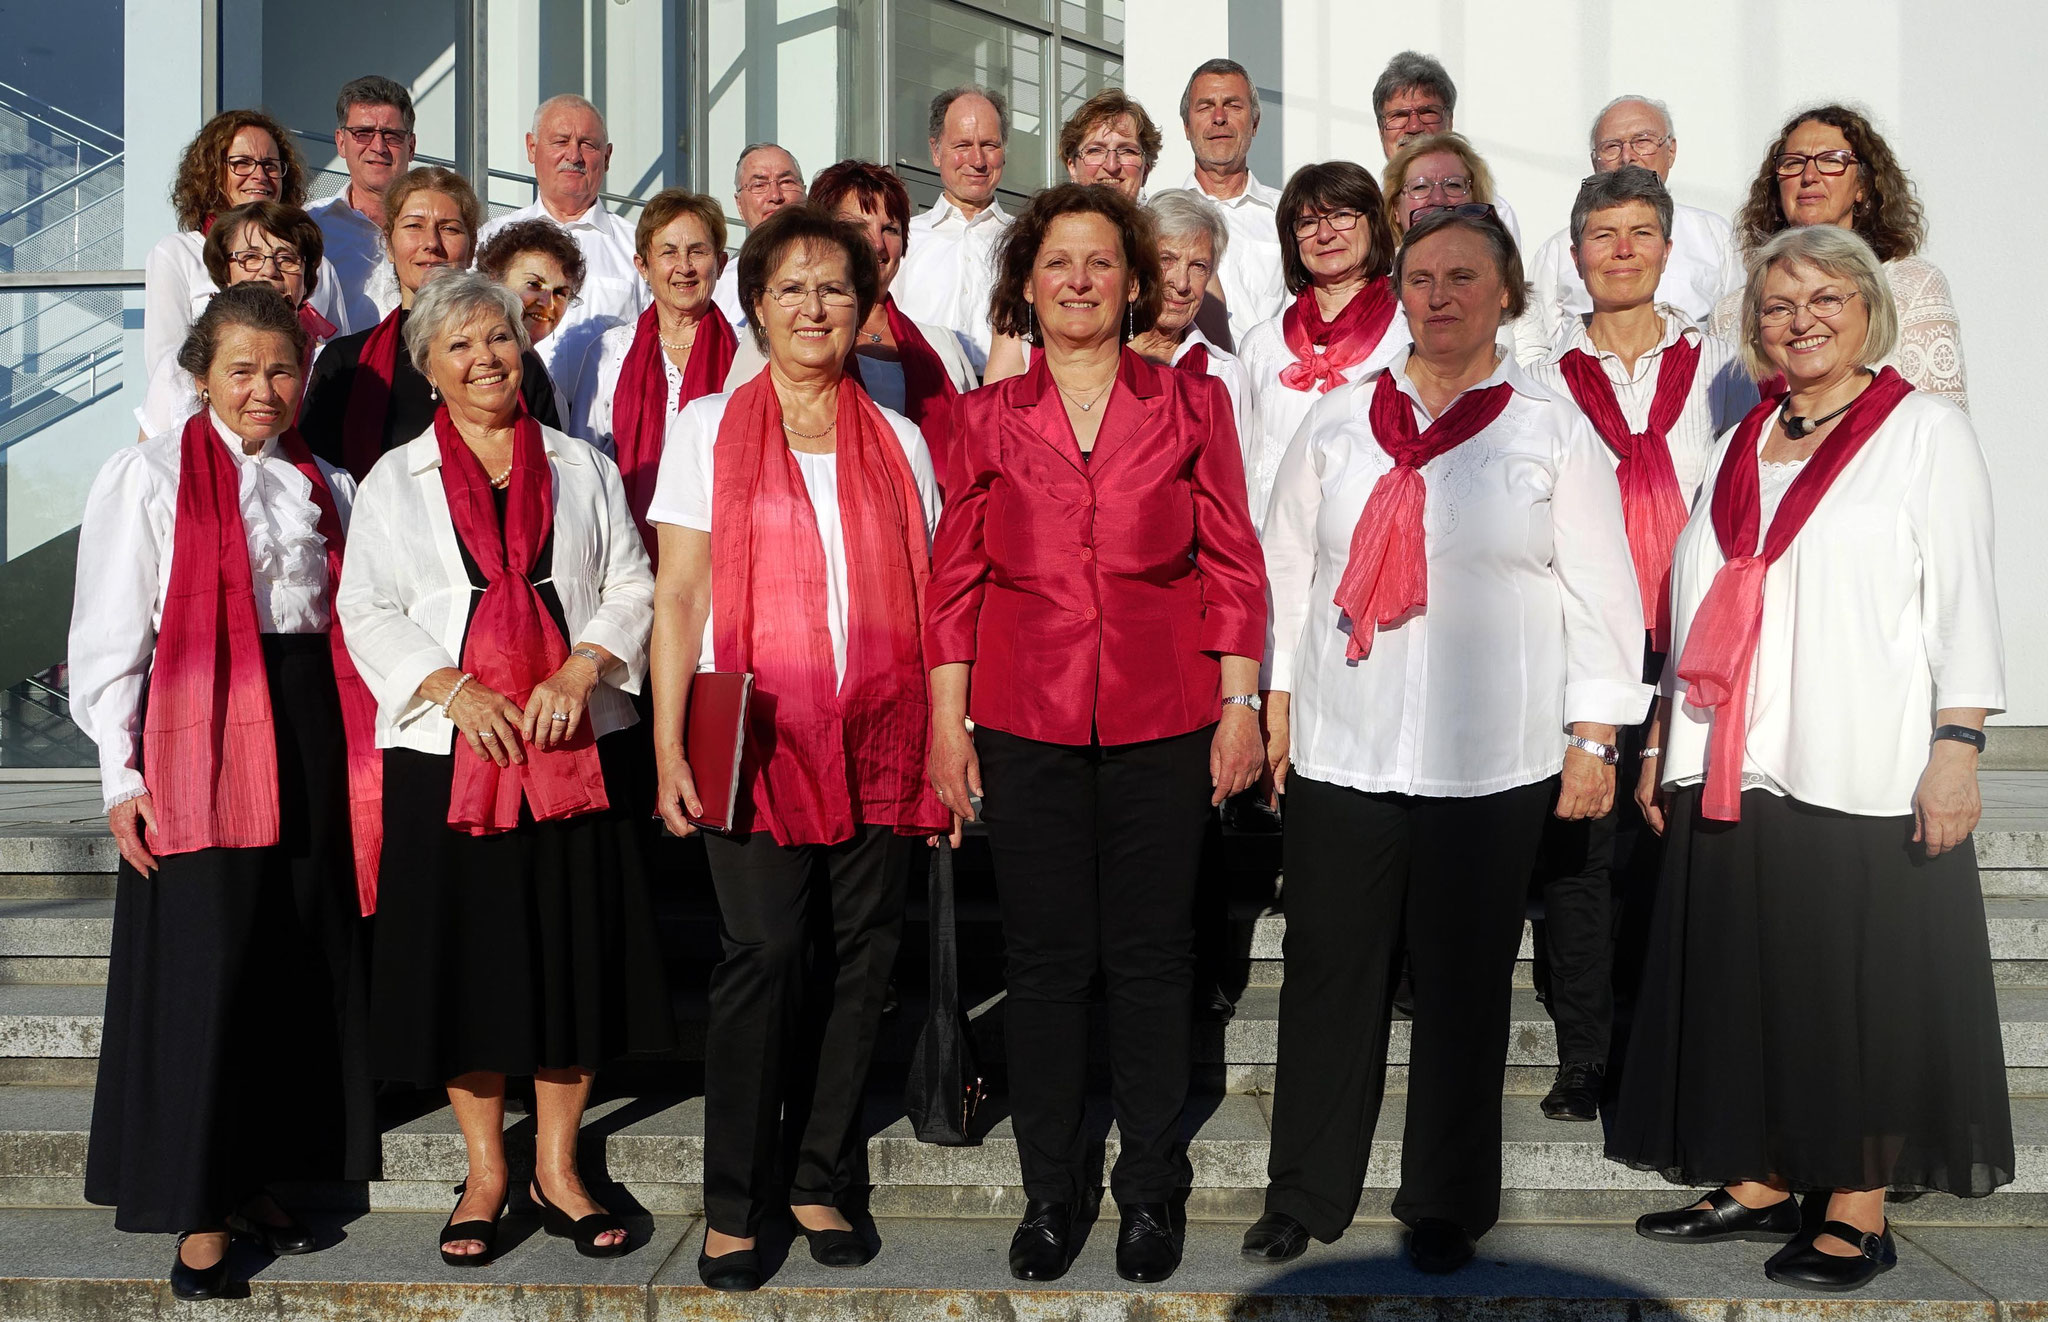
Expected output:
(825, 756)
(1195, 360)
(318, 330)
(209, 744)
(1652, 506)
(928, 392)
(1345, 341)
(369, 397)
(513, 643)
(1720, 645)
(1386, 576)
(641, 407)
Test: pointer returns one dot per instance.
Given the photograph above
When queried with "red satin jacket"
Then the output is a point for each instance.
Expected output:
(1094, 595)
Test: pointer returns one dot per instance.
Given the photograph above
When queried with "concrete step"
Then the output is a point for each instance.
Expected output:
(56, 885)
(67, 1266)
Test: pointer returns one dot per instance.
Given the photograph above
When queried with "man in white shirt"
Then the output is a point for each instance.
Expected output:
(570, 151)
(764, 180)
(948, 267)
(373, 123)
(1414, 96)
(1219, 111)
(1703, 266)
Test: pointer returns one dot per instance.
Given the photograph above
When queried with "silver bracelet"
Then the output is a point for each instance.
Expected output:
(1651, 752)
(589, 654)
(447, 701)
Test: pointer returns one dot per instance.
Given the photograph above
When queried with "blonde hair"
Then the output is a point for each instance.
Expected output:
(1396, 173)
(1833, 251)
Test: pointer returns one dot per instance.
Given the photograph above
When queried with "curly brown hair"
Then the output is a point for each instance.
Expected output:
(668, 206)
(285, 224)
(535, 235)
(196, 193)
(1107, 107)
(1889, 218)
(1017, 254)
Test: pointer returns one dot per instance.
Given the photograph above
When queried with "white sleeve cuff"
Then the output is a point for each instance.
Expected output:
(1606, 702)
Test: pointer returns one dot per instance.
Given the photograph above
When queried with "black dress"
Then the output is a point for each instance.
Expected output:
(235, 1044)
(412, 401)
(528, 950)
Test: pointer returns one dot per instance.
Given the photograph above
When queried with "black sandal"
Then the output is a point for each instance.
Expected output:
(483, 1232)
(583, 1231)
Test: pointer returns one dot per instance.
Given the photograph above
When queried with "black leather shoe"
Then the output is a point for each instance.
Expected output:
(197, 1282)
(1274, 1237)
(836, 1248)
(1147, 1246)
(1250, 814)
(737, 1272)
(1723, 1218)
(280, 1241)
(1040, 1248)
(1801, 1264)
(1439, 1246)
(1213, 1004)
(1576, 1093)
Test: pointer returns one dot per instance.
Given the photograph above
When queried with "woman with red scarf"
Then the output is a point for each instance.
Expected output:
(497, 602)
(795, 517)
(1817, 1014)
(240, 770)
(1344, 323)
(1456, 637)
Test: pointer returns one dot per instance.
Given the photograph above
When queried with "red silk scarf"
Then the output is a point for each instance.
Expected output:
(1386, 575)
(513, 643)
(928, 392)
(1195, 360)
(1720, 644)
(1344, 341)
(825, 756)
(369, 398)
(1652, 506)
(641, 407)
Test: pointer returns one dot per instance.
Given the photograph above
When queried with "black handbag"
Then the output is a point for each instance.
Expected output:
(944, 1088)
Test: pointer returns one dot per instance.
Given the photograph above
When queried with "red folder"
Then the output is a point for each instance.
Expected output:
(714, 741)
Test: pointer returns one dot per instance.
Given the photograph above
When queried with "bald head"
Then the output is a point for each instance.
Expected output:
(570, 151)
(1634, 130)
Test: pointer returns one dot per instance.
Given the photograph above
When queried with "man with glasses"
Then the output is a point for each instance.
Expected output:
(765, 179)
(570, 151)
(1219, 112)
(1415, 96)
(1704, 266)
(373, 123)
(948, 263)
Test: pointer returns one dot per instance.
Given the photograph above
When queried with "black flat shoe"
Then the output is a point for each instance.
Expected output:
(1274, 1237)
(1723, 1218)
(583, 1231)
(836, 1248)
(483, 1232)
(738, 1272)
(1040, 1249)
(1438, 1246)
(1576, 1093)
(1801, 1264)
(283, 1241)
(1147, 1246)
(1213, 1004)
(197, 1282)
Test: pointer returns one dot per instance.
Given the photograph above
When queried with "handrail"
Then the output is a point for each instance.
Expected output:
(58, 110)
(51, 282)
(72, 182)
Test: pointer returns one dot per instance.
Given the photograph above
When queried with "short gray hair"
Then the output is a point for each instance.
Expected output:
(943, 102)
(1221, 67)
(451, 298)
(373, 90)
(569, 99)
(1183, 211)
(751, 148)
(1663, 112)
(1833, 251)
(1614, 188)
(1414, 69)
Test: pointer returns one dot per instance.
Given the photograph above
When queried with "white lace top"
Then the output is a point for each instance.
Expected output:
(1929, 353)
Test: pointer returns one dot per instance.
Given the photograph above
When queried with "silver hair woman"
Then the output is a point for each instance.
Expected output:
(1192, 240)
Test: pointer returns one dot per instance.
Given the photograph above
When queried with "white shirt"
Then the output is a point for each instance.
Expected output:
(949, 271)
(172, 397)
(1277, 410)
(124, 575)
(365, 281)
(176, 289)
(590, 407)
(726, 293)
(405, 595)
(612, 288)
(1882, 611)
(1230, 370)
(1702, 270)
(1721, 391)
(1533, 619)
(683, 496)
(1254, 285)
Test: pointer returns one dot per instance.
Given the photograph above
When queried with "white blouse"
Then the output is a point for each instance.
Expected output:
(176, 289)
(1881, 612)
(1533, 620)
(1251, 269)
(949, 271)
(124, 575)
(1229, 369)
(590, 407)
(1721, 394)
(1277, 410)
(405, 595)
(683, 497)
(1703, 269)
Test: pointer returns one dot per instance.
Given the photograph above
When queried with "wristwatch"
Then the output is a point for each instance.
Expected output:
(1962, 734)
(1607, 753)
(1250, 700)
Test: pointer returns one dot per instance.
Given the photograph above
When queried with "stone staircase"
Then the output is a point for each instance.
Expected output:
(1566, 1249)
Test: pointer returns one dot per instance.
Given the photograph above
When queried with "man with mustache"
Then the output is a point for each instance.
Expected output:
(765, 179)
(1220, 113)
(948, 270)
(373, 123)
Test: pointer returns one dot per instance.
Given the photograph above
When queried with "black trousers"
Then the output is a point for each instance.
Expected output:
(810, 933)
(1096, 853)
(1363, 871)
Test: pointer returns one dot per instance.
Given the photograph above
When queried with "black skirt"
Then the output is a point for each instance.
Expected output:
(234, 1051)
(534, 949)
(1817, 1005)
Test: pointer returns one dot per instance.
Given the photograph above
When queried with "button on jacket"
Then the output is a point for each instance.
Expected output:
(1093, 595)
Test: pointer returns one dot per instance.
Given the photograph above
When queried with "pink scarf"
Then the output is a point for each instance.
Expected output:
(641, 407)
(1344, 341)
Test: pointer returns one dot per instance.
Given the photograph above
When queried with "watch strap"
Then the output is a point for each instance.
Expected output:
(1961, 734)
(1607, 753)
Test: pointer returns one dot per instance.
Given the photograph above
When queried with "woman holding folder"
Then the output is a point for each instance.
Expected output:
(795, 518)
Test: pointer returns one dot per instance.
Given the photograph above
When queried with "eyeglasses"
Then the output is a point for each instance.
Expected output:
(1824, 306)
(796, 296)
(391, 138)
(1472, 210)
(756, 187)
(1642, 144)
(1427, 117)
(1792, 164)
(535, 290)
(241, 167)
(1453, 186)
(1340, 221)
(253, 260)
(1099, 153)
